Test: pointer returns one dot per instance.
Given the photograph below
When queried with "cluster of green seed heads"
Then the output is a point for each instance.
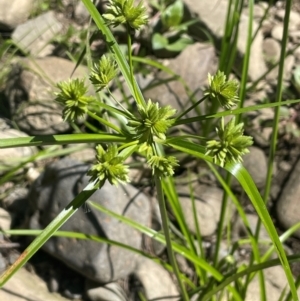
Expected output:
(154, 121)
(124, 12)
(72, 96)
(222, 91)
(151, 123)
(232, 143)
(104, 72)
(110, 166)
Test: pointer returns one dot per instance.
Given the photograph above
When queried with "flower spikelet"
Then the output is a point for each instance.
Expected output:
(103, 72)
(109, 167)
(225, 92)
(124, 12)
(232, 144)
(163, 166)
(154, 121)
(72, 97)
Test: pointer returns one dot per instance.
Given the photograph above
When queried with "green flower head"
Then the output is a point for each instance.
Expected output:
(154, 121)
(103, 72)
(232, 144)
(109, 167)
(225, 92)
(163, 166)
(124, 12)
(72, 97)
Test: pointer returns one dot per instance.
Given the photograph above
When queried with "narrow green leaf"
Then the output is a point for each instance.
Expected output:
(60, 139)
(47, 233)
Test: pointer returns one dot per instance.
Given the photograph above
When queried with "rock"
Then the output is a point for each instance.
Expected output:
(109, 292)
(275, 284)
(81, 14)
(25, 286)
(212, 16)
(42, 119)
(5, 219)
(194, 72)
(10, 157)
(156, 281)
(30, 93)
(208, 201)
(289, 62)
(287, 207)
(256, 164)
(239, 231)
(35, 35)
(258, 11)
(87, 154)
(253, 291)
(294, 20)
(2, 265)
(271, 49)
(15, 13)
(277, 31)
(56, 187)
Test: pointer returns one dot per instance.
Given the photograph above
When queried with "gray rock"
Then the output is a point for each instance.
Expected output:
(10, 157)
(156, 281)
(2, 264)
(30, 93)
(256, 164)
(41, 119)
(5, 219)
(212, 15)
(271, 49)
(81, 14)
(35, 35)
(27, 286)
(294, 20)
(287, 207)
(194, 71)
(289, 63)
(277, 31)
(109, 292)
(14, 13)
(208, 201)
(56, 187)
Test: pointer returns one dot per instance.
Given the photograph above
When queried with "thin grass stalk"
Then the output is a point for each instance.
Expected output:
(104, 122)
(165, 225)
(279, 89)
(201, 272)
(129, 51)
(226, 37)
(271, 3)
(234, 36)
(242, 97)
(273, 144)
(170, 192)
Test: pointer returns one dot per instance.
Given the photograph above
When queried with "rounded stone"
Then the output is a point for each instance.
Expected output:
(56, 188)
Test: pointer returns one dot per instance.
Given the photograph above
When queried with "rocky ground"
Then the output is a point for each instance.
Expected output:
(71, 269)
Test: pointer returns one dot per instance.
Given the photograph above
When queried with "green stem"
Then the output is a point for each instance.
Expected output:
(165, 224)
(105, 122)
(192, 107)
(130, 65)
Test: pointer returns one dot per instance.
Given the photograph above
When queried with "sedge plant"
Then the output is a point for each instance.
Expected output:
(145, 132)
